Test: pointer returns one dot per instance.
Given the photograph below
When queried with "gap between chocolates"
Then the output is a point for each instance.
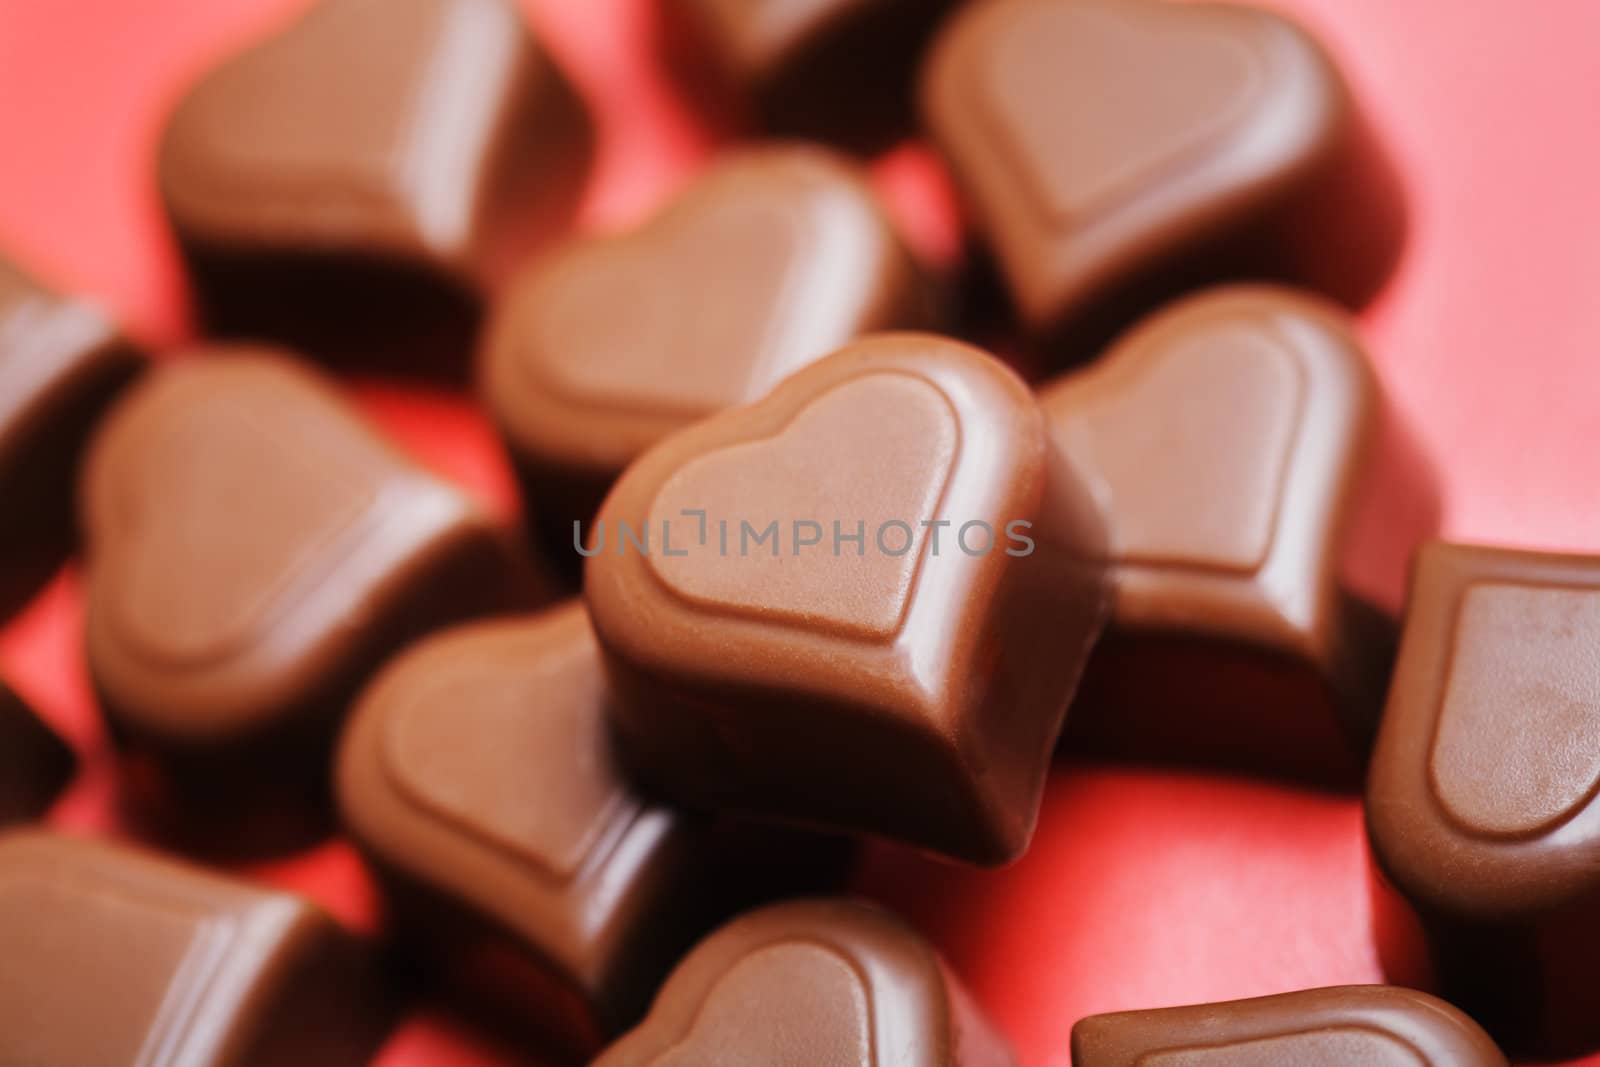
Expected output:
(800, 564)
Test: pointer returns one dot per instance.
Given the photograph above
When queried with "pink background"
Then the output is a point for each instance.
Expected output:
(1142, 888)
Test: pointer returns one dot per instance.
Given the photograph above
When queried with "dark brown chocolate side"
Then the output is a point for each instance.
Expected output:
(62, 361)
(34, 763)
(840, 71)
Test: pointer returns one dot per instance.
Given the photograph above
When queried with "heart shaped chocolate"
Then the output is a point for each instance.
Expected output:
(806, 983)
(372, 143)
(1113, 151)
(606, 347)
(879, 555)
(1231, 433)
(256, 548)
(476, 774)
(1483, 792)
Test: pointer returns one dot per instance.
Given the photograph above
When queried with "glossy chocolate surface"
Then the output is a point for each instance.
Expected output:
(255, 550)
(355, 182)
(1115, 152)
(477, 772)
(787, 677)
(1343, 1026)
(807, 983)
(179, 966)
(34, 763)
(770, 260)
(1480, 805)
(837, 70)
(61, 363)
(1232, 435)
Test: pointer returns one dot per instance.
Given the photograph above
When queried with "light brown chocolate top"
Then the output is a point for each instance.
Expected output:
(1342, 1026)
(810, 983)
(247, 529)
(1480, 802)
(773, 258)
(1229, 433)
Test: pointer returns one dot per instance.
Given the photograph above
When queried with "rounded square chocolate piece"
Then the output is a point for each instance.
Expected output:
(1341, 1026)
(1481, 806)
(62, 362)
(114, 956)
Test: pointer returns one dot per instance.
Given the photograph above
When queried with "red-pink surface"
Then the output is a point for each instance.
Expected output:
(1142, 888)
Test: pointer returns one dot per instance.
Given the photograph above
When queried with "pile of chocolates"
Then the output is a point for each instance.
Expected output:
(800, 563)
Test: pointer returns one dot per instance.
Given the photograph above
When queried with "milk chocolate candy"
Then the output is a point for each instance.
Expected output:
(1344, 1026)
(355, 184)
(812, 982)
(61, 362)
(477, 773)
(1481, 802)
(1232, 434)
(864, 603)
(255, 550)
(114, 956)
(34, 762)
(1115, 152)
(772, 259)
(835, 70)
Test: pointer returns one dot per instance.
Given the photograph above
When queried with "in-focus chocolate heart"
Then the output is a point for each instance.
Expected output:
(883, 564)
(1115, 152)
(353, 184)
(773, 258)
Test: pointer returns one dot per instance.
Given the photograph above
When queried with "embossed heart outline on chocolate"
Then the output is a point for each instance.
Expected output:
(246, 531)
(1095, 138)
(521, 843)
(1227, 512)
(772, 259)
(909, 647)
(1487, 754)
(812, 981)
